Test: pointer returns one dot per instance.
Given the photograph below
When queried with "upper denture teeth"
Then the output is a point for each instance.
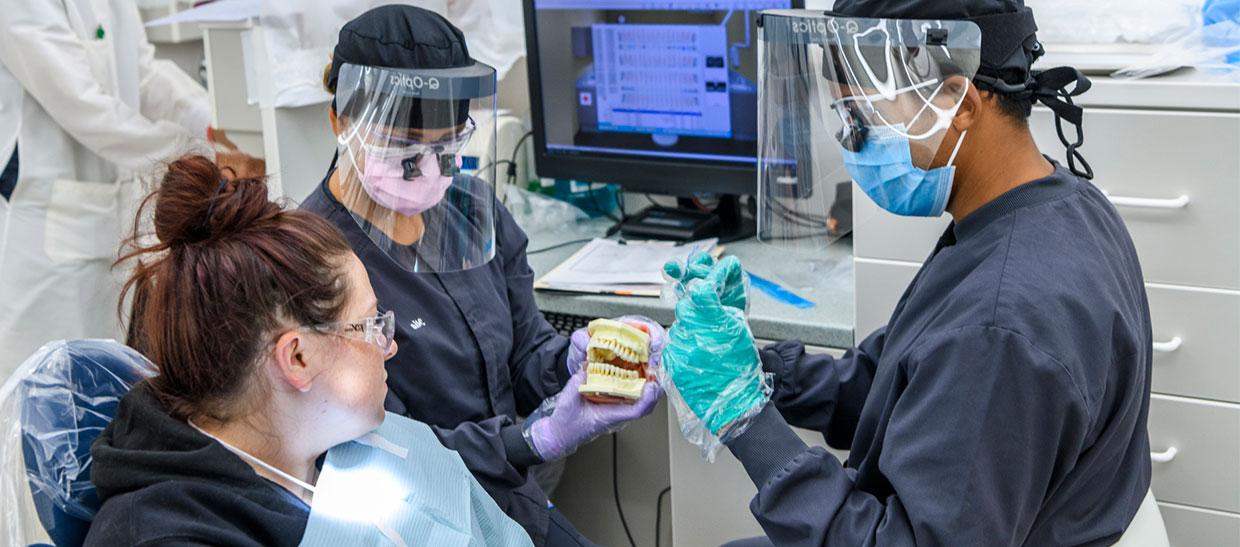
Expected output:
(611, 340)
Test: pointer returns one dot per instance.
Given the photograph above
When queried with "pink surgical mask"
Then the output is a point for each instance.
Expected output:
(384, 180)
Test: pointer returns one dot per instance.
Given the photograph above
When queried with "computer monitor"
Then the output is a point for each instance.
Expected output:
(657, 96)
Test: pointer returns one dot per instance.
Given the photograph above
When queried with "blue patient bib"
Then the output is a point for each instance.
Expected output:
(399, 486)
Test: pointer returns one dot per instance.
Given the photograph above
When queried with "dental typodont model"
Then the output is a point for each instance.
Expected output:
(616, 360)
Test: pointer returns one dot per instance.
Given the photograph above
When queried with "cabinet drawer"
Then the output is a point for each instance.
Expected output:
(1197, 349)
(1169, 154)
(1201, 440)
(879, 287)
(1146, 161)
(1193, 527)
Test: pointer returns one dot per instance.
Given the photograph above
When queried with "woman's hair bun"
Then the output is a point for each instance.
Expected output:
(229, 268)
(197, 202)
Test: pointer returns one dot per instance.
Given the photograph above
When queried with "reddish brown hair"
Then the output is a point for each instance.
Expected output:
(229, 266)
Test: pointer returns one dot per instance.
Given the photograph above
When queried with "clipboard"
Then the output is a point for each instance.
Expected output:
(618, 267)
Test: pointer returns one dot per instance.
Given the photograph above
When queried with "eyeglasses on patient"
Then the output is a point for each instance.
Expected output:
(379, 330)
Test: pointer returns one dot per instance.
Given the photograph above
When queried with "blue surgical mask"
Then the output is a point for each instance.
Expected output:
(884, 169)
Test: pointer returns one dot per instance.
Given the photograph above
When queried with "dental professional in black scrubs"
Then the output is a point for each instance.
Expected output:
(444, 255)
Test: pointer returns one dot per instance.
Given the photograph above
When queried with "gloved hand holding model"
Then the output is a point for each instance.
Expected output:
(733, 290)
(615, 361)
(567, 420)
(711, 358)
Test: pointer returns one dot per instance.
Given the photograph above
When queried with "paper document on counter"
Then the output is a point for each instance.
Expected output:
(633, 268)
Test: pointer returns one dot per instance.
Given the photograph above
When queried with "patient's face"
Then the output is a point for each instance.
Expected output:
(353, 383)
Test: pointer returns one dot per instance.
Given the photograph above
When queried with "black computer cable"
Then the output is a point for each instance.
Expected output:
(658, 516)
(816, 226)
(800, 223)
(624, 216)
(511, 166)
(812, 227)
(516, 150)
(615, 487)
(780, 207)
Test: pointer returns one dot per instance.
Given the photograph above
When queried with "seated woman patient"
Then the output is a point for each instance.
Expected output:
(265, 425)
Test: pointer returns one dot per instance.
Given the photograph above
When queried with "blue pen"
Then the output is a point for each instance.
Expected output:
(774, 290)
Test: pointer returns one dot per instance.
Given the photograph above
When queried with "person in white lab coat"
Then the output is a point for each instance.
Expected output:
(84, 108)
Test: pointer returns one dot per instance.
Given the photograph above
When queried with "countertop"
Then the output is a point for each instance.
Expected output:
(826, 279)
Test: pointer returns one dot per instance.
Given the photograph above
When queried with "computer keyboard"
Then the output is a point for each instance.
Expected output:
(567, 323)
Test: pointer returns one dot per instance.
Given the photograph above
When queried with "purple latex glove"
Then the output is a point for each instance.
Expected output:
(581, 339)
(567, 420)
(577, 351)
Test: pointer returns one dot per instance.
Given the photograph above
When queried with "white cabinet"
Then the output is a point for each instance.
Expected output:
(880, 283)
(1195, 527)
(1167, 153)
(880, 235)
(1195, 447)
(1175, 179)
(1196, 341)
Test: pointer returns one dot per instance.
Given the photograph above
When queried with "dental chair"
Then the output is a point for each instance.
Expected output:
(53, 407)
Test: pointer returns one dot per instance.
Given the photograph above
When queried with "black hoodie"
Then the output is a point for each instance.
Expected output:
(164, 483)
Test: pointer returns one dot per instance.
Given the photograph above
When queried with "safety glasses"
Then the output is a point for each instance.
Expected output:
(381, 142)
(860, 112)
(457, 137)
(379, 330)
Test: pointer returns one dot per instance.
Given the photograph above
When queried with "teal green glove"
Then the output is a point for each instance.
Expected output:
(728, 273)
(711, 357)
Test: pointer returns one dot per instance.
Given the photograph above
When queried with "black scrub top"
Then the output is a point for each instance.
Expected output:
(1004, 403)
(474, 354)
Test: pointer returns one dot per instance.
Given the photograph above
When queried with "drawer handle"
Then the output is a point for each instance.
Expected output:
(1149, 203)
(1165, 456)
(1169, 346)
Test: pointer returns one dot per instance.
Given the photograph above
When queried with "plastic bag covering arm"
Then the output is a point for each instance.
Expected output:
(399, 164)
(51, 409)
(1207, 39)
(712, 367)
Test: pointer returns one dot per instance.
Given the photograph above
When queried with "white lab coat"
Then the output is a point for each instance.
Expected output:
(88, 114)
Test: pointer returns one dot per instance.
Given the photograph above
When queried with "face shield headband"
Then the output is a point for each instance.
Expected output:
(1010, 47)
(880, 67)
(403, 138)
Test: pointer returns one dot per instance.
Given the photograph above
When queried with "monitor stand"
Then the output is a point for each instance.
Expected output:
(686, 222)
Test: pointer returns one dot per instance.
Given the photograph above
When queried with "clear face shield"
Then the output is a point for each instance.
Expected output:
(852, 98)
(399, 163)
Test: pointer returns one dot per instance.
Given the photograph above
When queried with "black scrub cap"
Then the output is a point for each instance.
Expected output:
(1009, 48)
(401, 36)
